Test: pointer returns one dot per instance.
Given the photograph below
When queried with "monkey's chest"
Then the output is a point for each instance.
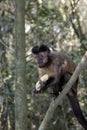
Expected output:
(50, 71)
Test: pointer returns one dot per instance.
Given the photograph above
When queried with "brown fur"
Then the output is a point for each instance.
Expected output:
(59, 61)
(59, 68)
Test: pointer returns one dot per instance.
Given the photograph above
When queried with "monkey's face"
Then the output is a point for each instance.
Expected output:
(41, 59)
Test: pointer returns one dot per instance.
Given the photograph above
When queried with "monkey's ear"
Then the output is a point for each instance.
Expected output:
(35, 50)
(44, 48)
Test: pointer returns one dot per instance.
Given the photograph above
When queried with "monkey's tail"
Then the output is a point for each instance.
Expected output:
(77, 111)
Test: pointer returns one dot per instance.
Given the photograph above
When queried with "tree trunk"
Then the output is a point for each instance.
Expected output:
(20, 91)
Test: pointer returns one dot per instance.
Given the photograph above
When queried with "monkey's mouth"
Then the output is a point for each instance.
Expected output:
(41, 65)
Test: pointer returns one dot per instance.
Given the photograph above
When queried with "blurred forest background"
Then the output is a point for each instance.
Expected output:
(60, 24)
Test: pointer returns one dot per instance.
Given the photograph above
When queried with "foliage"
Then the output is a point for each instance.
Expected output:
(61, 24)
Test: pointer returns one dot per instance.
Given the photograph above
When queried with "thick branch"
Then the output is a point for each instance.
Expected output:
(82, 65)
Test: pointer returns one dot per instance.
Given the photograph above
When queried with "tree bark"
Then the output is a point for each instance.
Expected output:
(20, 90)
(82, 65)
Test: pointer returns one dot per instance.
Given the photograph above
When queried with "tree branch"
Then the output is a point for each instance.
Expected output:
(82, 65)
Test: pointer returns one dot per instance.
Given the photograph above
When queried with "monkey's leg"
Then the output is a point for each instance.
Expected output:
(77, 110)
(72, 96)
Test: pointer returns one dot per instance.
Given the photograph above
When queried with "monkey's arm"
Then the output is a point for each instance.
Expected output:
(47, 81)
(41, 86)
(46, 84)
(53, 80)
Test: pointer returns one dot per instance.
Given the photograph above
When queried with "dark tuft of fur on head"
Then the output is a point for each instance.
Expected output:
(42, 48)
(35, 50)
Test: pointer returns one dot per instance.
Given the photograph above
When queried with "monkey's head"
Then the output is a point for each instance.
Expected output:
(41, 55)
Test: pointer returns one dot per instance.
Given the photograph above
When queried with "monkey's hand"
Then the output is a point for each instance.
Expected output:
(42, 82)
(34, 91)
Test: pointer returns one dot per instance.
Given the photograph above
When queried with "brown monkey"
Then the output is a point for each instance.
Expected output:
(57, 68)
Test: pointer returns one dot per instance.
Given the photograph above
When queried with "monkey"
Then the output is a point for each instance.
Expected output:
(44, 52)
(55, 69)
